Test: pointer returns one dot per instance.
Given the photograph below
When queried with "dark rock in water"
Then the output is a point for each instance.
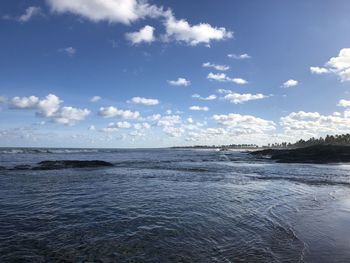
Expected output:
(64, 164)
(312, 154)
(22, 167)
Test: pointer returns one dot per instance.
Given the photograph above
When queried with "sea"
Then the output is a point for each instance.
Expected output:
(171, 205)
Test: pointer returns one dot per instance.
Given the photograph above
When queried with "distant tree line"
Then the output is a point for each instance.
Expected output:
(223, 147)
(340, 139)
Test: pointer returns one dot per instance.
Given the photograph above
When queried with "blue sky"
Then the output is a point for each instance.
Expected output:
(172, 73)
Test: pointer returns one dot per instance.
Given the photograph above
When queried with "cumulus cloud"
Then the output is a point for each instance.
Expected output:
(169, 120)
(222, 77)
(319, 70)
(113, 11)
(69, 51)
(110, 112)
(290, 83)
(50, 107)
(120, 125)
(144, 101)
(24, 102)
(339, 65)
(210, 97)
(244, 124)
(70, 115)
(199, 108)
(145, 34)
(241, 56)
(141, 126)
(95, 98)
(203, 33)
(47, 106)
(128, 11)
(173, 131)
(314, 124)
(224, 91)
(238, 98)
(29, 14)
(179, 82)
(215, 66)
(344, 103)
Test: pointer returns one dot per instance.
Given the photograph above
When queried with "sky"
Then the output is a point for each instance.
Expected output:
(133, 73)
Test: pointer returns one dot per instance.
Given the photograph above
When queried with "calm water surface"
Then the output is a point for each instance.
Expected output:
(172, 206)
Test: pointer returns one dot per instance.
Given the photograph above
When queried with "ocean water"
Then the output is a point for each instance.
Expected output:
(172, 205)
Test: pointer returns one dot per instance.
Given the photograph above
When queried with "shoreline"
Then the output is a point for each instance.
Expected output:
(318, 154)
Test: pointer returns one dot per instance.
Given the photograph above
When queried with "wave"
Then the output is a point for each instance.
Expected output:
(309, 181)
(60, 164)
(44, 150)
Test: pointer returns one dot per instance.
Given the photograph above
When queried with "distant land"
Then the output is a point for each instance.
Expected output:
(330, 149)
(321, 154)
(341, 139)
(222, 147)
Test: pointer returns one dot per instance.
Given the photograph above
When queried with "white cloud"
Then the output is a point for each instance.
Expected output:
(113, 11)
(110, 112)
(120, 125)
(154, 117)
(145, 34)
(143, 125)
(173, 131)
(319, 70)
(95, 98)
(169, 120)
(70, 115)
(69, 51)
(339, 65)
(224, 91)
(210, 97)
(128, 11)
(29, 14)
(290, 83)
(49, 105)
(299, 124)
(144, 101)
(199, 108)
(244, 124)
(179, 82)
(238, 98)
(241, 56)
(92, 128)
(222, 77)
(215, 66)
(344, 103)
(24, 102)
(214, 132)
(203, 33)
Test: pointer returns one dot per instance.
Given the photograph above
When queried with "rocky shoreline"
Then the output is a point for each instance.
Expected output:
(320, 154)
